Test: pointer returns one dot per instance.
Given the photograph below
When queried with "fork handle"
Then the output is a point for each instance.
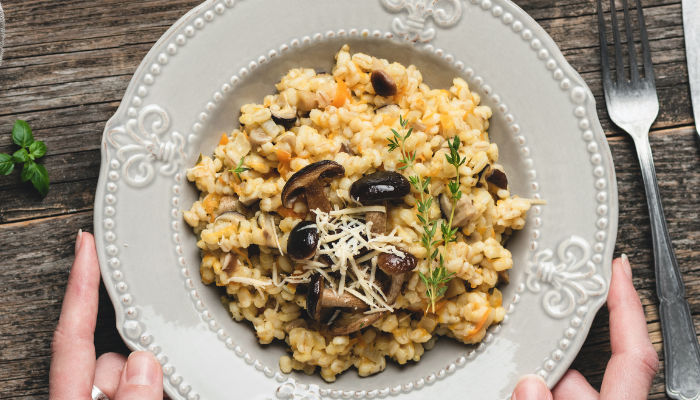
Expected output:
(680, 343)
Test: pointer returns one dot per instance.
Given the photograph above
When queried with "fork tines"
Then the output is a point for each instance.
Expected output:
(646, 54)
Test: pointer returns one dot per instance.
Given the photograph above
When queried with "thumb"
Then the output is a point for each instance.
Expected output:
(531, 387)
(142, 378)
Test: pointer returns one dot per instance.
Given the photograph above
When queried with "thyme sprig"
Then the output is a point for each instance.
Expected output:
(240, 169)
(437, 277)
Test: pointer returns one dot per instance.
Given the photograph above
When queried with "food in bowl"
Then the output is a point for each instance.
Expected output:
(358, 215)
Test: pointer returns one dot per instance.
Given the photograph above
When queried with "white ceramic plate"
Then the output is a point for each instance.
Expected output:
(221, 55)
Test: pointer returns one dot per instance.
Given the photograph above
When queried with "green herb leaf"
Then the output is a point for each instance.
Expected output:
(40, 179)
(6, 164)
(20, 156)
(22, 134)
(240, 169)
(37, 149)
(28, 170)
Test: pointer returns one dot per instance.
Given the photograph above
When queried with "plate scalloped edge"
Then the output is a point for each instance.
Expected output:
(564, 74)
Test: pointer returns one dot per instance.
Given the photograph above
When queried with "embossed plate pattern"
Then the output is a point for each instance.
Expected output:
(225, 53)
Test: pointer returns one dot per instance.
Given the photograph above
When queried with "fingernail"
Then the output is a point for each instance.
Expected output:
(626, 265)
(141, 369)
(531, 387)
(78, 240)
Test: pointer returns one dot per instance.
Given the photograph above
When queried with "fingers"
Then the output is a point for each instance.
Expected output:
(108, 373)
(634, 361)
(531, 387)
(142, 378)
(72, 349)
(573, 386)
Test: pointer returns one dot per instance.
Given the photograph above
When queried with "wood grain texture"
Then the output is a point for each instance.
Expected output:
(68, 62)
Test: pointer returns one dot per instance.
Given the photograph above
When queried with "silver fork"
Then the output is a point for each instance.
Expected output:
(633, 105)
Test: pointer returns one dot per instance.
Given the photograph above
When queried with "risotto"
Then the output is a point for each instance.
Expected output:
(358, 215)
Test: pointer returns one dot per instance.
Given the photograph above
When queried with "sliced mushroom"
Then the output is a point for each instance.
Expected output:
(344, 148)
(232, 262)
(464, 210)
(309, 181)
(258, 137)
(286, 117)
(313, 297)
(226, 204)
(233, 217)
(498, 178)
(367, 320)
(378, 188)
(266, 223)
(319, 297)
(393, 264)
(289, 139)
(306, 101)
(384, 85)
(303, 241)
(347, 300)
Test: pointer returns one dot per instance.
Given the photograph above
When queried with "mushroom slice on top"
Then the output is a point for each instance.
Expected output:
(309, 181)
(266, 223)
(367, 320)
(392, 264)
(286, 117)
(313, 297)
(384, 84)
(303, 241)
(233, 217)
(377, 188)
(227, 203)
(498, 178)
(464, 210)
(319, 297)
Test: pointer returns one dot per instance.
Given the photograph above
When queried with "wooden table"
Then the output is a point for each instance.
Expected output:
(68, 62)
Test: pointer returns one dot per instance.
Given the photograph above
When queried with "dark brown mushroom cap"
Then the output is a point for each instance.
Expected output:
(367, 320)
(303, 241)
(498, 178)
(383, 84)
(286, 117)
(380, 186)
(313, 297)
(392, 264)
(308, 179)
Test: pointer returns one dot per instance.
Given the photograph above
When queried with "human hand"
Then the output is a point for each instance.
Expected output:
(74, 369)
(634, 361)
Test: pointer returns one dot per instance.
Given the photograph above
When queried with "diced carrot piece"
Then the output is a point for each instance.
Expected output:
(341, 94)
(283, 155)
(289, 212)
(224, 140)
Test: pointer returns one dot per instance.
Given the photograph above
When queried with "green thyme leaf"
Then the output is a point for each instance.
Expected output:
(240, 169)
(6, 164)
(22, 134)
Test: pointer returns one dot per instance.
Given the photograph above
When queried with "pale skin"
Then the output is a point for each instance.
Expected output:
(74, 369)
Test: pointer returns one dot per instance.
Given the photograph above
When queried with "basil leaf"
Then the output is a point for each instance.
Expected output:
(40, 179)
(22, 134)
(6, 164)
(20, 156)
(37, 149)
(28, 170)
